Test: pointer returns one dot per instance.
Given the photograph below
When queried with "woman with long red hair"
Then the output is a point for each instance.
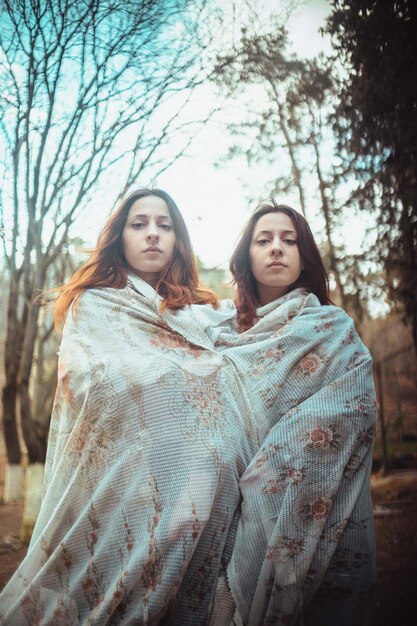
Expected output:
(147, 436)
(174, 278)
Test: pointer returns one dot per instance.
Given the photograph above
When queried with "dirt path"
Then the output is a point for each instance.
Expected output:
(11, 550)
(395, 500)
(395, 507)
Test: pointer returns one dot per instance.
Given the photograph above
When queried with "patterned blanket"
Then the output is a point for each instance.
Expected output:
(160, 422)
(306, 527)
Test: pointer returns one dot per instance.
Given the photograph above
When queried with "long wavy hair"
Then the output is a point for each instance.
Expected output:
(178, 284)
(313, 277)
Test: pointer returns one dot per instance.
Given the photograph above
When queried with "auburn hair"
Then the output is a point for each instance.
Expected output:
(313, 277)
(107, 267)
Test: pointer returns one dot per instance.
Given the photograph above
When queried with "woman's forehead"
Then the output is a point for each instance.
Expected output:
(149, 206)
(274, 221)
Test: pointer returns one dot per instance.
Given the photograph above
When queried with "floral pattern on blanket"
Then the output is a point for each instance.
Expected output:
(141, 479)
(180, 450)
(306, 527)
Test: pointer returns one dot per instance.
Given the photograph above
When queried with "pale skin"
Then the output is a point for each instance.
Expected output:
(274, 256)
(148, 238)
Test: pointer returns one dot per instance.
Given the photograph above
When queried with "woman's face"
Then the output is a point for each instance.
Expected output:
(148, 238)
(274, 256)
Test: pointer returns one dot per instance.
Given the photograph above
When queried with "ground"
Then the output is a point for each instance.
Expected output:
(11, 550)
(395, 508)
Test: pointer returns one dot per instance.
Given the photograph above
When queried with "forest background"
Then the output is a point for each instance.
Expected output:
(98, 97)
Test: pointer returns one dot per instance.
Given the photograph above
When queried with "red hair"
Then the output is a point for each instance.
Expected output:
(313, 277)
(179, 283)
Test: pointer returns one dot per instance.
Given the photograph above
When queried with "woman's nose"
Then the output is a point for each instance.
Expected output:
(276, 247)
(152, 231)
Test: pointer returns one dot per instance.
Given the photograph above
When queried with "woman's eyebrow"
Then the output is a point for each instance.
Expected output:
(269, 232)
(146, 216)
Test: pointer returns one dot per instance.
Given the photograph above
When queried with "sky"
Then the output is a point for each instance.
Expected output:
(216, 200)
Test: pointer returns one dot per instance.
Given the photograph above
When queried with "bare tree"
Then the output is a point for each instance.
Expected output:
(312, 98)
(94, 95)
(260, 60)
(290, 122)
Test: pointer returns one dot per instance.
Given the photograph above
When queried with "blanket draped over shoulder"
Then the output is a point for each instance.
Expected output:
(147, 442)
(161, 424)
(306, 528)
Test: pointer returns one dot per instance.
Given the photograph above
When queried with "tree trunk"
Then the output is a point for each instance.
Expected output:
(13, 483)
(9, 395)
(296, 172)
(33, 498)
(409, 264)
(381, 415)
(327, 219)
(36, 451)
(11, 366)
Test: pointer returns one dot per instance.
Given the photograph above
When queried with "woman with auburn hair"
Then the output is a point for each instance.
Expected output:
(312, 274)
(177, 281)
(304, 550)
(147, 438)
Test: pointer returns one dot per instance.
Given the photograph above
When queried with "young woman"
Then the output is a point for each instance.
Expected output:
(146, 442)
(304, 551)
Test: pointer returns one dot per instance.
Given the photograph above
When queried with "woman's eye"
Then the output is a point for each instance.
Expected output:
(137, 225)
(262, 242)
(291, 242)
(166, 226)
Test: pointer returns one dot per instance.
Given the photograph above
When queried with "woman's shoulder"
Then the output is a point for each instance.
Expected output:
(87, 301)
(94, 297)
(325, 316)
(313, 307)
(332, 324)
(90, 305)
